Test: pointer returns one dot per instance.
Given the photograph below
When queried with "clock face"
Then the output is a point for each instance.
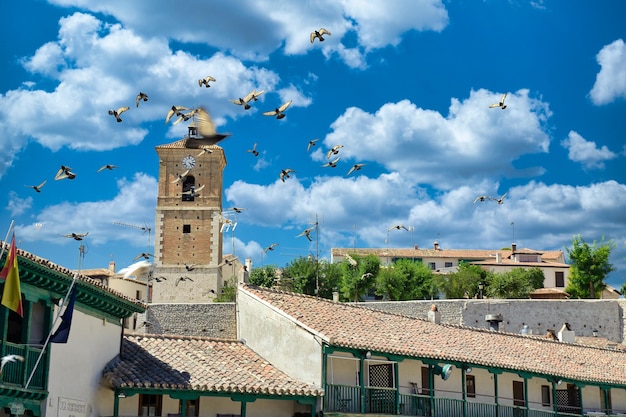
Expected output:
(189, 162)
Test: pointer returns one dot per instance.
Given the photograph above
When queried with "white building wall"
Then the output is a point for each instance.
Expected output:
(76, 366)
(283, 343)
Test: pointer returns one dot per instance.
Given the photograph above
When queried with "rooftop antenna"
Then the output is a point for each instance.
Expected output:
(145, 228)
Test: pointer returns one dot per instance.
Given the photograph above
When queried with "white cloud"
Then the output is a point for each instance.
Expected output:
(586, 152)
(17, 205)
(472, 141)
(611, 80)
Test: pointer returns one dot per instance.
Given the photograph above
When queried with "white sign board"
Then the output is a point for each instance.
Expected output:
(72, 408)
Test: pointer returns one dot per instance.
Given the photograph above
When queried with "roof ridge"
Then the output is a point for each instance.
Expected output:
(181, 336)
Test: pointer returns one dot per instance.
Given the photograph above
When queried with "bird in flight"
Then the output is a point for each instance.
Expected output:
(236, 209)
(285, 173)
(206, 127)
(270, 247)
(107, 166)
(311, 144)
(398, 227)
(333, 151)
(332, 163)
(193, 191)
(141, 96)
(38, 187)
(175, 110)
(77, 236)
(157, 279)
(228, 262)
(190, 267)
(500, 103)
(501, 199)
(253, 151)
(9, 358)
(179, 279)
(64, 172)
(205, 81)
(117, 113)
(143, 255)
(205, 149)
(179, 177)
(355, 167)
(307, 233)
(278, 112)
(244, 101)
(482, 198)
(319, 34)
(254, 95)
(183, 117)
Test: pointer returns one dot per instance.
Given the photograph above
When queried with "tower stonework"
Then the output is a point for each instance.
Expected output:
(188, 239)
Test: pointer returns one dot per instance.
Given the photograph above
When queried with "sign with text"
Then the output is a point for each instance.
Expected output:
(72, 408)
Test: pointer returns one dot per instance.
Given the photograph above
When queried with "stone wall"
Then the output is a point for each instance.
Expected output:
(607, 316)
(207, 320)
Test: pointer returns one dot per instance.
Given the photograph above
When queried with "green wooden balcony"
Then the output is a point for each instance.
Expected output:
(16, 374)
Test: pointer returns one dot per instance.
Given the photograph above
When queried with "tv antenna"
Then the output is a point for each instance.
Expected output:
(145, 228)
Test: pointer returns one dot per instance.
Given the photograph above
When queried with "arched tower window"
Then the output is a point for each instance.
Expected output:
(189, 185)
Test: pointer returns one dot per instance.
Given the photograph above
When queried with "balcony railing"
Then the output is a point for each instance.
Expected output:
(17, 373)
(353, 399)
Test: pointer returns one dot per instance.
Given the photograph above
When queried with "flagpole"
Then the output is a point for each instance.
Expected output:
(51, 331)
(7, 238)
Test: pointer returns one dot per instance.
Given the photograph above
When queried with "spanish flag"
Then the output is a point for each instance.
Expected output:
(12, 295)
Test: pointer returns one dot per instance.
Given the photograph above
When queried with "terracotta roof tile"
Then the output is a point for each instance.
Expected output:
(445, 253)
(201, 364)
(349, 325)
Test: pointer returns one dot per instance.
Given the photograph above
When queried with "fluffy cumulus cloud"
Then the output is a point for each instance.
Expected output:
(586, 152)
(133, 204)
(264, 26)
(611, 80)
(472, 141)
(94, 67)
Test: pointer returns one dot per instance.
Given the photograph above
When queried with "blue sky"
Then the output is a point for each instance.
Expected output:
(404, 86)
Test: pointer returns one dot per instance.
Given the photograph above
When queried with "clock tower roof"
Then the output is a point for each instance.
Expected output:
(189, 143)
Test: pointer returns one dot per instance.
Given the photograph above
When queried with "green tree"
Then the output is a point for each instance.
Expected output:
(306, 275)
(517, 283)
(358, 279)
(463, 283)
(264, 276)
(405, 280)
(589, 266)
(229, 291)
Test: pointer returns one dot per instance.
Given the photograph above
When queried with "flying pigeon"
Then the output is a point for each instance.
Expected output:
(254, 95)
(398, 227)
(333, 151)
(351, 260)
(205, 81)
(332, 163)
(278, 112)
(228, 262)
(179, 279)
(118, 112)
(318, 34)
(193, 191)
(64, 172)
(183, 117)
(137, 269)
(174, 110)
(107, 166)
(38, 187)
(179, 177)
(270, 247)
(190, 267)
(482, 198)
(253, 151)
(501, 199)
(157, 279)
(499, 104)
(311, 144)
(77, 236)
(140, 96)
(244, 101)
(144, 255)
(355, 167)
(206, 127)
(236, 209)
(307, 233)
(9, 358)
(205, 149)
(285, 173)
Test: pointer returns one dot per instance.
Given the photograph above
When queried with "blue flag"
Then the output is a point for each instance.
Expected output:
(63, 331)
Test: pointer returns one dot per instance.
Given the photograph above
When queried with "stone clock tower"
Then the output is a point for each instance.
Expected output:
(188, 240)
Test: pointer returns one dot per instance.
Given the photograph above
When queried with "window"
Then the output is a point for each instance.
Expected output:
(149, 405)
(559, 279)
(192, 407)
(470, 386)
(432, 265)
(186, 228)
(518, 393)
(448, 264)
(606, 406)
(545, 395)
(425, 381)
(188, 188)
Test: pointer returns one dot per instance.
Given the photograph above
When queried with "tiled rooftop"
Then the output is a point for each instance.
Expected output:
(445, 253)
(352, 326)
(201, 364)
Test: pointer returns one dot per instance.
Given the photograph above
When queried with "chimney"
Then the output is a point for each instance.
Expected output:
(416, 247)
(566, 334)
(434, 316)
(112, 266)
(498, 258)
(513, 247)
(494, 321)
(436, 245)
